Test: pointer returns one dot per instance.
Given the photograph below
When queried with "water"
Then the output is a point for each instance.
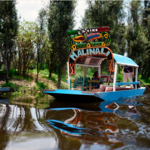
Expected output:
(40, 123)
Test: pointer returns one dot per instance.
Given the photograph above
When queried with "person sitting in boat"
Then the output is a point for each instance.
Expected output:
(95, 77)
(128, 72)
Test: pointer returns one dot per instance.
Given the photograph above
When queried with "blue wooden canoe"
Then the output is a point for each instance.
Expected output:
(82, 96)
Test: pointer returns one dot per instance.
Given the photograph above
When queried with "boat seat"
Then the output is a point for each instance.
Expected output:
(95, 90)
(79, 87)
(123, 88)
(103, 87)
(108, 89)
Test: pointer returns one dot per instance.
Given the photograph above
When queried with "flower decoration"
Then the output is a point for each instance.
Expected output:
(74, 47)
(100, 35)
(103, 44)
(108, 44)
(88, 45)
(106, 36)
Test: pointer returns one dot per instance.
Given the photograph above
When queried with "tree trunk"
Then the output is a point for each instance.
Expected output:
(37, 63)
(65, 70)
(59, 78)
(143, 74)
(59, 71)
(24, 65)
(6, 65)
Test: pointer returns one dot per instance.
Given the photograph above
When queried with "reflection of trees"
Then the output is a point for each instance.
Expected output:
(4, 138)
(16, 119)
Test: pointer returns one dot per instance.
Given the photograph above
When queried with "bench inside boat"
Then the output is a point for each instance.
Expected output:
(104, 88)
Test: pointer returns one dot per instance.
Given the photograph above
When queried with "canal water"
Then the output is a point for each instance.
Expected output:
(41, 123)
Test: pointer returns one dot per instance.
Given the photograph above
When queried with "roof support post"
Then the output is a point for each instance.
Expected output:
(99, 71)
(136, 76)
(115, 76)
(68, 76)
(85, 72)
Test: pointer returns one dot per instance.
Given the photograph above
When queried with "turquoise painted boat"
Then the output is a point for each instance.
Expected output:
(93, 56)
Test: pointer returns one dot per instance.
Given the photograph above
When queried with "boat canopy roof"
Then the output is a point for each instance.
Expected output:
(90, 61)
(96, 61)
(123, 60)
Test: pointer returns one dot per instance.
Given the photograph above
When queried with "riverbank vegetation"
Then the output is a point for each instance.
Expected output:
(36, 53)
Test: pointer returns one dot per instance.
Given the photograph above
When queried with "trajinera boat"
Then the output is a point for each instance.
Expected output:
(89, 48)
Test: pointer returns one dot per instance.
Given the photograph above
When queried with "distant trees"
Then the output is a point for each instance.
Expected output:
(40, 39)
(107, 13)
(138, 38)
(146, 24)
(25, 43)
(61, 19)
(134, 37)
(45, 42)
(8, 32)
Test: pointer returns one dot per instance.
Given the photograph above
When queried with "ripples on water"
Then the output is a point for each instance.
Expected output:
(39, 125)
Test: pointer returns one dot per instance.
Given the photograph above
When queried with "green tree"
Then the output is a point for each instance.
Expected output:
(146, 24)
(25, 41)
(8, 32)
(107, 13)
(58, 25)
(137, 37)
(40, 42)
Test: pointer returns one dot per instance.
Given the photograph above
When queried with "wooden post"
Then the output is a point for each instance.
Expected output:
(136, 77)
(115, 76)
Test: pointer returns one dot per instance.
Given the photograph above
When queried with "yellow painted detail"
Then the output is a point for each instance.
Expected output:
(74, 47)
(76, 39)
(88, 45)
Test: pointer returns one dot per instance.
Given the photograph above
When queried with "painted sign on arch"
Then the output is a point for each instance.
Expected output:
(75, 55)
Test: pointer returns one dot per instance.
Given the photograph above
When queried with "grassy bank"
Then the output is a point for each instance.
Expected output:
(18, 83)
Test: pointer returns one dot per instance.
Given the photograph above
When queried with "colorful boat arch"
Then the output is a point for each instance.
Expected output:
(92, 56)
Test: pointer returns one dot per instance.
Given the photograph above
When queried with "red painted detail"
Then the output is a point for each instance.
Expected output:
(107, 76)
(103, 29)
(80, 38)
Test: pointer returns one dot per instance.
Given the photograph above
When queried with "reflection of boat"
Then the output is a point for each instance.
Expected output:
(92, 54)
(123, 109)
(89, 127)
(57, 105)
(4, 100)
(77, 123)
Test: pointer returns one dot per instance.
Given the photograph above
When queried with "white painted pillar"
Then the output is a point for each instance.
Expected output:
(136, 76)
(85, 71)
(99, 71)
(115, 76)
(68, 76)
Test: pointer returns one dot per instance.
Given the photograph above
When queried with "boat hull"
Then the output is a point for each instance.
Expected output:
(78, 96)
(73, 95)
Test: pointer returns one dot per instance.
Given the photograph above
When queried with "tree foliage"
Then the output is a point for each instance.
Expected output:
(58, 25)
(40, 40)
(107, 13)
(8, 32)
(25, 42)
(138, 37)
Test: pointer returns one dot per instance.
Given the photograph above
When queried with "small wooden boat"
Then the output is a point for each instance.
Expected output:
(92, 54)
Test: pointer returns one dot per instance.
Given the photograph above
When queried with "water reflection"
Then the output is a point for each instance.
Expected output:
(89, 127)
(93, 127)
(18, 123)
(61, 125)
